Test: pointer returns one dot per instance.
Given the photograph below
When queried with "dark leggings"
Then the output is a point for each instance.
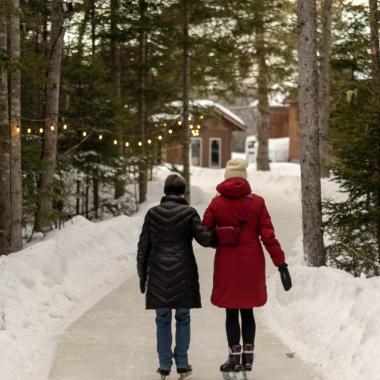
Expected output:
(233, 326)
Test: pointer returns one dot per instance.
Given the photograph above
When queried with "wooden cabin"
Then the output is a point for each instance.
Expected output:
(212, 146)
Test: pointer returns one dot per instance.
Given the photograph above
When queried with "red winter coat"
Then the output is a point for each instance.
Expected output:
(239, 271)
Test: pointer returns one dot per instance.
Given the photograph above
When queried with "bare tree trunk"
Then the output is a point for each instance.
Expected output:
(324, 86)
(15, 120)
(83, 26)
(95, 188)
(185, 97)
(49, 148)
(116, 74)
(375, 73)
(78, 197)
(309, 135)
(262, 159)
(143, 174)
(93, 28)
(5, 169)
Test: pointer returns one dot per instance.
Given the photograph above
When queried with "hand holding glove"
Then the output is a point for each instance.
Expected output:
(285, 276)
(142, 285)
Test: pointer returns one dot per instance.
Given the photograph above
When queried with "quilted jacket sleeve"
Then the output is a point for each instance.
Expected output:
(201, 234)
(268, 237)
(143, 249)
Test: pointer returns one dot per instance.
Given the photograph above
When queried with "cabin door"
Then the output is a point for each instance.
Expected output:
(215, 152)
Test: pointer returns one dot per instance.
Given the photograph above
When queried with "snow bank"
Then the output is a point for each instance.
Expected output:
(49, 284)
(330, 319)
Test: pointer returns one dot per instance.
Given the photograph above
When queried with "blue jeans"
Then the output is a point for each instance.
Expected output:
(164, 338)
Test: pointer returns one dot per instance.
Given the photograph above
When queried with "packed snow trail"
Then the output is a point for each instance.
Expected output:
(115, 340)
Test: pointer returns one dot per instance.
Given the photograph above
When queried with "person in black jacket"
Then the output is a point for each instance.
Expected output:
(168, 270)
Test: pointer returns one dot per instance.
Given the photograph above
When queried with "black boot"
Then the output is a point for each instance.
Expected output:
(164, 374)
(185, 373)
(247, 357)
(233, 362)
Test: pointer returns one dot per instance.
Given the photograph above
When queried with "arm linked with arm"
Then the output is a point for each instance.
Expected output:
(200, 233)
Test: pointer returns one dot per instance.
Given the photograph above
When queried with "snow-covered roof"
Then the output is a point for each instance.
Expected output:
(156, 118)
(203, 103)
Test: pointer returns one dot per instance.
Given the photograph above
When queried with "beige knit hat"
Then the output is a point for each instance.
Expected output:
(236, 168)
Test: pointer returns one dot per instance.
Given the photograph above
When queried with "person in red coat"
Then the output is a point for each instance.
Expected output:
(239, 268)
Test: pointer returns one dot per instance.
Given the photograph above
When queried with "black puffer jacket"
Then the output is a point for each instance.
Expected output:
(165, 255)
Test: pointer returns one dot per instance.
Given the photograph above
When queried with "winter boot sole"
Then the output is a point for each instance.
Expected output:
(231, 375)
(183, 376)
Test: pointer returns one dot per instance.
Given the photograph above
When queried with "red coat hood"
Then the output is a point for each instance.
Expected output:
(234, 187)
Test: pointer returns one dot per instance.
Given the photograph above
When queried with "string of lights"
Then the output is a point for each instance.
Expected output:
(126, 139)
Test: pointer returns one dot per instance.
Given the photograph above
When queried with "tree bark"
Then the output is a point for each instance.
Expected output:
(49, 148)
(262, 159)
(309, 135)
(185, 96)
(5, 169)
(93, 28)
(143, 172)
(116, 79)
(324, 85)
(375, 74)
(15, 121)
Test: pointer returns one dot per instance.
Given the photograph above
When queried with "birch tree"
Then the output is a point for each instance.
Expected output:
(309, 135)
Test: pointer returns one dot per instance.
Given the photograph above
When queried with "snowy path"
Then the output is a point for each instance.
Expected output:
(115, 339)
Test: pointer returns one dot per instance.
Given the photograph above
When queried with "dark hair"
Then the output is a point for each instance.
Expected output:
(175, 185)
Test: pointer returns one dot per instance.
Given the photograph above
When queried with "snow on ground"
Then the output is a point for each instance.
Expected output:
(51, 283)
(328, 316)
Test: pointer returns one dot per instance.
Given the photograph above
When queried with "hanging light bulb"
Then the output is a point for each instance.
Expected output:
(191, 126)
(198, 126)
(179, 122)
(29, 130)
(201, 117)
(114, 142)
(189, 118)
(127, 144)
(84, 134)
(140, 143)
(52, 127)
(18, 129)
(170, 131)
(41, 130)
(149, 141)
(159, 137)
(64, 126)
(100, 137)
(165, 125)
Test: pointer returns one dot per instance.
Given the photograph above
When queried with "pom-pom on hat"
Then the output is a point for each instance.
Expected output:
(236, 168)
(175, 184)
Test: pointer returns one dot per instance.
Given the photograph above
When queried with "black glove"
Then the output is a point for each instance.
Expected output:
(285, 276)
(142, 285)
(214, 239)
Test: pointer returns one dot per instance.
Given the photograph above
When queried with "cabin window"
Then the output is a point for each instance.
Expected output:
(196, 152)
(215, 152)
